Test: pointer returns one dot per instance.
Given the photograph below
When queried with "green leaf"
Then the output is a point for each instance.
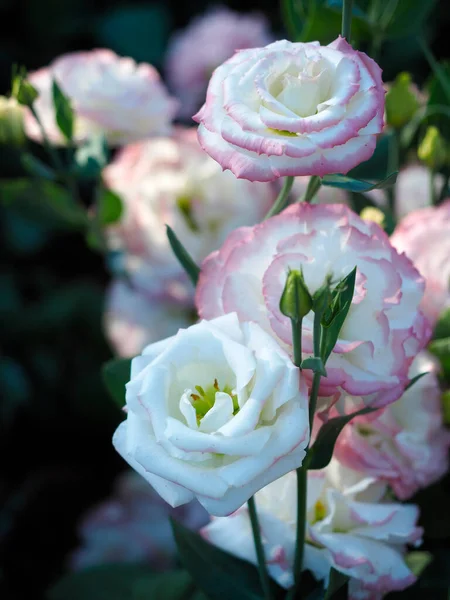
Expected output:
(106, 582)
(314, 363)
(44, 201)
(336, 582)
(357, 185)
(63, 111)
(139, 31)
(174, 585)
(440, 348)
(110, 207)
(415, 379)
(433, 114)
(34, 166)
(418, 561)
(376, 168)
(334, 317)
(183, 256)
(293, 13)
(220, 575)
(409, 17)
(321, 451)
(116, 374)
(91, 157)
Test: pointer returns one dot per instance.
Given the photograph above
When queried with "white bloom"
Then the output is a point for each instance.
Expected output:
(216, 412)
(348, 529)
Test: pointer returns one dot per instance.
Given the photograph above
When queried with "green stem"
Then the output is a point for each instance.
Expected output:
(393, 165)
(302, 482)
(47, 144)
(297, 341)
(313, 187)
(347, 19)
(262, 567)
(433, 195)
(282, 199)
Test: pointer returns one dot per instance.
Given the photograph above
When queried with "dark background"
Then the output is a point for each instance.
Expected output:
(56, 419)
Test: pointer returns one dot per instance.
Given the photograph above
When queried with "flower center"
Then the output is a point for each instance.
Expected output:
(320, 512)
(205, 399)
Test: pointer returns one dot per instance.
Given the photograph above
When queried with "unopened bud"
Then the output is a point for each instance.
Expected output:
(322, 297)
(401, 101)
(371, 213)
(23, 91)
(11, 122)
(296, 301)
(432, 150)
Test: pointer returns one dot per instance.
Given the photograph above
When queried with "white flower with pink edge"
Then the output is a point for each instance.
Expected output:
(424, 236)
(384, 328)
(349, 528)
(109, 94)
(293, 109)
(406, 443)
(216, 412)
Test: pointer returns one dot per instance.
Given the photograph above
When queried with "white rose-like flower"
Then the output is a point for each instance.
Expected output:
(348, 529)
(216, 412)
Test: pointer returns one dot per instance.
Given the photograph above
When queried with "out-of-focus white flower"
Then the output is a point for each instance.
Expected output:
(207, 42)
(132, 526)
(406, 443)
(109, 94)
(216, 412)
(383, 330)
(349, 528)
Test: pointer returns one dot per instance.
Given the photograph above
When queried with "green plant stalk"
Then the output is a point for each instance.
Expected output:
(262, 567)
(313, 187)
(393, 165)
(297, 341)
(433, 195)
(282, 198)
(47, 144)
(347, 19)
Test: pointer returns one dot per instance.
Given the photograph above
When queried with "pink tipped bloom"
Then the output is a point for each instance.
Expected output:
(293, 109)
(132, 526)
(383, 330)
(404, 444)
(172, 181)
(424, 236)
(109, 94)
(349, 527)
(135, 317)
(206, 43)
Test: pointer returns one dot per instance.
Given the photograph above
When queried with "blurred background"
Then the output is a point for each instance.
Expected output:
(56, 418)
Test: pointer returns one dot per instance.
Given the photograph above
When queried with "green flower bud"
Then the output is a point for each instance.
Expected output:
(11, 122)
(322, 297)
(296, 301)
(432, 150)
(401, 101)
(23, 91)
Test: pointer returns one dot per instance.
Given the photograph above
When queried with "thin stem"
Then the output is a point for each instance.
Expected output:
(297, 341)
(347, 19)
(262, 567)
(313, 398)
(48, 146)
(433, 195)
(313, 187)
(302, 482)
(282, 199)
(393, 165)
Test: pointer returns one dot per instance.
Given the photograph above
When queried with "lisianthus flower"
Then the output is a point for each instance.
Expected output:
(384, 329)
(293, 109)
(132, 526)
(216, 412)
(424, 236)
(208, 41)
(349, 528)
(109, 94)
(406, 443)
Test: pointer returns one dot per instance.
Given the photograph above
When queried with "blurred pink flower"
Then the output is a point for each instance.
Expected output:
(384, 329)
(424, 236)
(132, 526)
(404, 444)
(293, 109)
(135, 318)
(207, 42)
(173, 181)
(109, 94)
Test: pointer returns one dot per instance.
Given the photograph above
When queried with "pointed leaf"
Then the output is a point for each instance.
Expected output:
(321, 451)
(110, 207)
(183, 256)
(415, 379)
(116, 374)
(314, 363)
(63, 111)
(358, 185)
